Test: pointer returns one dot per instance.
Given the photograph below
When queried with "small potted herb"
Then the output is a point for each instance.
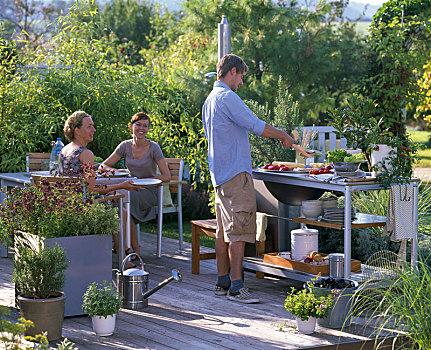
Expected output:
(102, 303)
(307, 307)
(39, 277)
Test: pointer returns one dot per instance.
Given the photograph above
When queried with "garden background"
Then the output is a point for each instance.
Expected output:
(133, 55)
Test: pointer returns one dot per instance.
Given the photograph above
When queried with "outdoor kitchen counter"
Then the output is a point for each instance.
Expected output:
(281, 184)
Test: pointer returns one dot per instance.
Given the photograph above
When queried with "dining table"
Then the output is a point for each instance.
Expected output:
(23, 179)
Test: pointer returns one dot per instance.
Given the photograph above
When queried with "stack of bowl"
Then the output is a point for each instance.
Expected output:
(311, 209)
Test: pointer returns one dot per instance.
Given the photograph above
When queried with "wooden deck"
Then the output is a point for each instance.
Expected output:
(187, 315)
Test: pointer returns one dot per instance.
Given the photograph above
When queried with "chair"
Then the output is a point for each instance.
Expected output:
(176, 168)
(33, 161)
(323, 133)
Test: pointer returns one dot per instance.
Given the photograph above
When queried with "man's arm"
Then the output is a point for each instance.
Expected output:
(274, 133)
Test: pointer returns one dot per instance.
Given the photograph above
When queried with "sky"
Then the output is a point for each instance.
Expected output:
(371, 2)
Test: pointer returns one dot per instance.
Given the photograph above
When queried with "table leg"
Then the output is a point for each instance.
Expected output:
(3, 245)
(160, 222)
(121, 235)
(347, 232)
(129, 222)
(414, 258)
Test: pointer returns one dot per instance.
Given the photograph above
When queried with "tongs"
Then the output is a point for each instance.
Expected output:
(303, 152)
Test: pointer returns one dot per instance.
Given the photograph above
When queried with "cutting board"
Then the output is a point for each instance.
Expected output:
(367, 179)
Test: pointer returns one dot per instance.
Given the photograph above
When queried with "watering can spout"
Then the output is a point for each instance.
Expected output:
(176, 275)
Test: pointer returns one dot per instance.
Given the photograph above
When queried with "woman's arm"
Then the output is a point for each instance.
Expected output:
(165, 173)
(87, 157)
(109, 162)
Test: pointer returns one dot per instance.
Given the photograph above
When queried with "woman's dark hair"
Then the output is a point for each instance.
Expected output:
(229, 61)
(140, 116)
(73, 122)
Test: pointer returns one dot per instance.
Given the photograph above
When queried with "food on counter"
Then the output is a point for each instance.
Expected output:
(317, 165)
(353, 158)
(324, 170)
(337, 155)
(290, 165)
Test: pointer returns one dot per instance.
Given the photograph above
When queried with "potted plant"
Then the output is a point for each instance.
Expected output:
(308, 307)
(40, 277)
(42, 214)
(102, 303)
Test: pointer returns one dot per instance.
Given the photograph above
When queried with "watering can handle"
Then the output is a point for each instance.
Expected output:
(127, 257)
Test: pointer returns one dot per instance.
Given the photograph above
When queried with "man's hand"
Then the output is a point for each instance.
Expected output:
(286, 141)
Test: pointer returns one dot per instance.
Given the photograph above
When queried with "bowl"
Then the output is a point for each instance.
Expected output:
(311, 209)
(346, 166)
(329, 203)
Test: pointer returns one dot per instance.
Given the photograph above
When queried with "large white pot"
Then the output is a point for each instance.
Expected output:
(381, 155)
(306, 327)
(103, 326)
(303, 241)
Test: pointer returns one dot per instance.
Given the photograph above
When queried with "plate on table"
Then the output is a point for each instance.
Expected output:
(121, 173)
(146, 182)
(287, 172)
(357, 173)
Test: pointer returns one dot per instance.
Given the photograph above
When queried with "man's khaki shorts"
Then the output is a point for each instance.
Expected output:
(235, 205)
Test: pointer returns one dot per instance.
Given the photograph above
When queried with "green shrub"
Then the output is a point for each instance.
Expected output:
(101, 300)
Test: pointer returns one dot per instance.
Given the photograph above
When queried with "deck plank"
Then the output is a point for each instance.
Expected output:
(187, 315)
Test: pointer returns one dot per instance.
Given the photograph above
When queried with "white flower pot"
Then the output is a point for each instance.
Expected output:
(381, 156)
(306, 327)
(103, 326)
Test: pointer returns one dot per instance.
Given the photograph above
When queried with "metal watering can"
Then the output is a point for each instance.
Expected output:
(132, 285)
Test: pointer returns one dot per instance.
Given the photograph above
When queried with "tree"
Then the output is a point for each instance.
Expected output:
(280, 38)
(30, 18)
(399, 45)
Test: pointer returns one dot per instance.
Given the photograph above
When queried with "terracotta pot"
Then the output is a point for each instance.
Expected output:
(46, 314)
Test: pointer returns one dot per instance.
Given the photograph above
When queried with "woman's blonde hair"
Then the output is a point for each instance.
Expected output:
(73, 122)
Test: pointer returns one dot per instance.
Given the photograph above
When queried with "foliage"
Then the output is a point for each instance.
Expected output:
(402, 158)
(402, 306)
(398, 49)
(285, 116)
(101, 300)
(424, 86)
(12, 336)
(40, 274)
(83, 74)
(305, 303)
(356, 123)
(319, 61)
(45, 211)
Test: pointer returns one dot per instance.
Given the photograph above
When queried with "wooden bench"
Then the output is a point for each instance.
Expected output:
(201, 228)
(208, 228)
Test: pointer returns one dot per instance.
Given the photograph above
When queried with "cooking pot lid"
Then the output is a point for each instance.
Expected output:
(134, 272)
(304, 231)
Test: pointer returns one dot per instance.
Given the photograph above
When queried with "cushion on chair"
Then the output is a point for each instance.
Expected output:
(167, 199)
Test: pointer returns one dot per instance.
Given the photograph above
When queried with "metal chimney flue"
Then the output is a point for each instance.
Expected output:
(223, 37)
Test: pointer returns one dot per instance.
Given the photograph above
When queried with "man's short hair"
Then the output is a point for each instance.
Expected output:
(229, 61)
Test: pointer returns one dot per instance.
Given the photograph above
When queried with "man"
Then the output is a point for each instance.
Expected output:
(227, 121)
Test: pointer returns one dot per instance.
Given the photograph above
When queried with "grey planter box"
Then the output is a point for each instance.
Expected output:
(90, 260)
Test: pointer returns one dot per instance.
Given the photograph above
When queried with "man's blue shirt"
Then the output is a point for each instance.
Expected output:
(227, 121)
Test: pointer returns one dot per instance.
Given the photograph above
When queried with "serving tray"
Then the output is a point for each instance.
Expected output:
(323, 269)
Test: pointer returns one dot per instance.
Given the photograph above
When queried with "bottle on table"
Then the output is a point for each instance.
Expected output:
(57, 146)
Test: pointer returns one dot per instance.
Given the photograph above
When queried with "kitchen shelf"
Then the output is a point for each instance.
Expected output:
(362, 220)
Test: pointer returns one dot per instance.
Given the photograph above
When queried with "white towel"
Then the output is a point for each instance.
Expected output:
(399, 220)
(261, 224)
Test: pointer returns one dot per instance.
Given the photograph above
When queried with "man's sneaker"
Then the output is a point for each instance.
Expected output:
(242, 296)
(219, 290)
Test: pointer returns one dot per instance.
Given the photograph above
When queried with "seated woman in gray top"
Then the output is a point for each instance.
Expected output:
(142, 158)
(75, 156)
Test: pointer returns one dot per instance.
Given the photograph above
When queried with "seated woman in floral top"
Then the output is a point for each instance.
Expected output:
(75, 157)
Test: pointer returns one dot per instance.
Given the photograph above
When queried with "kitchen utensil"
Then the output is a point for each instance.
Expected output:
(303, 152)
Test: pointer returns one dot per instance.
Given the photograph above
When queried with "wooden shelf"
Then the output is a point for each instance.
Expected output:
(362, 220)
